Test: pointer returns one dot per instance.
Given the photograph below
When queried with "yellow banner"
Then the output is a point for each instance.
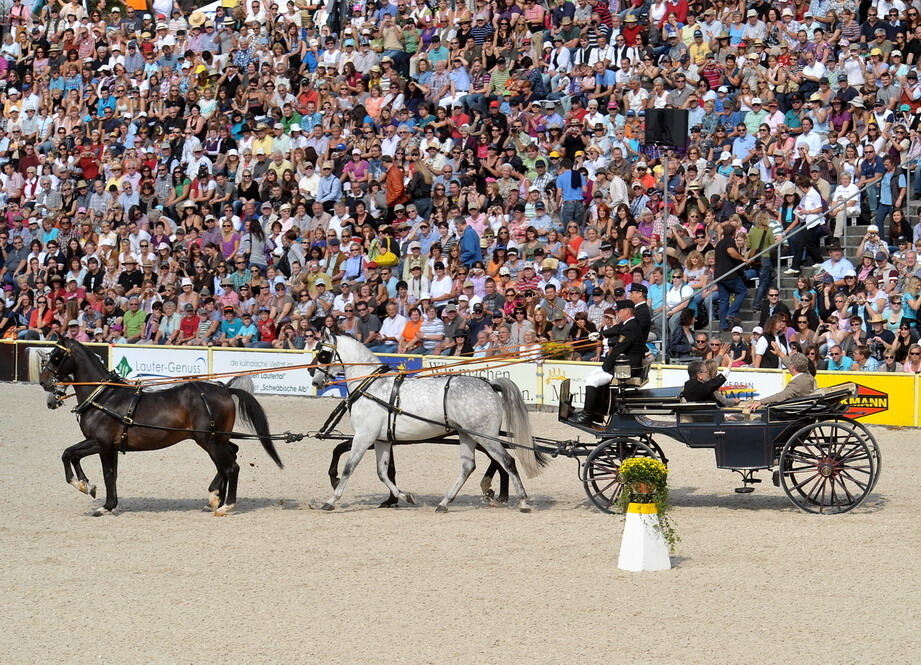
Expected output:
(882, 398)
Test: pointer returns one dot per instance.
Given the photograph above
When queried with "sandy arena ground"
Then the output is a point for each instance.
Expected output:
(165, 582)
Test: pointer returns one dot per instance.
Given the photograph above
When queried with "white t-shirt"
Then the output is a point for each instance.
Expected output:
(440, 287)
(811, 201)
(393, 327)
(674, 296)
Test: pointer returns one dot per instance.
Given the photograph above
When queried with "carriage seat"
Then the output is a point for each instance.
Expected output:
(636, 381)
(669, 394)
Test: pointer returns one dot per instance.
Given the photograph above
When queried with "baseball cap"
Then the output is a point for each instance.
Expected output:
(737, 329)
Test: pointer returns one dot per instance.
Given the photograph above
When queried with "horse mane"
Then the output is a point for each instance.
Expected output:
(91, 359)
(358, 352)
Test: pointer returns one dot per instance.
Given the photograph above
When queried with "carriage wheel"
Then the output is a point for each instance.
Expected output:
(869, 439)
(828, 467)
(601, 471)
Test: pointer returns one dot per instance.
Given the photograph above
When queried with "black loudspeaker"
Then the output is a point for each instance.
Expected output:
(667, 127)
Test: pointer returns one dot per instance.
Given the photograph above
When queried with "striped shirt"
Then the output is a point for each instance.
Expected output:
(480, 33)
(499, 80)
(430, 328)
(604, 14)
(480, 81)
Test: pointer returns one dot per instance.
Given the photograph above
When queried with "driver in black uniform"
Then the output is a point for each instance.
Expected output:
(628, 342)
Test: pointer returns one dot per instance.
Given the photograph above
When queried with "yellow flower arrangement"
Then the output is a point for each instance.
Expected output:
(644, 470)
(645, 480)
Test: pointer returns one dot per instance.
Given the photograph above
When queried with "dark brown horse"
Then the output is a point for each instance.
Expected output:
(113, 418)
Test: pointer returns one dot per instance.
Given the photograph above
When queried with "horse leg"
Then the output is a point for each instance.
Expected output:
(486, 481)
(468, 464)
(217, 490)
(231, 471)
(383, 450)
(393, 499)
(507, 464)
(503, 480)
(109, 457)
(338, 452)
(214, 491)
(71, 458)
(359, 448)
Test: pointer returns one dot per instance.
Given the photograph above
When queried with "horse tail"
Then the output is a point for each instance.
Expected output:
(243, 383)
(252, 414)
(516, 417)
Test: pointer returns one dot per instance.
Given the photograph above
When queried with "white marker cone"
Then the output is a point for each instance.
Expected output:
(643, 546)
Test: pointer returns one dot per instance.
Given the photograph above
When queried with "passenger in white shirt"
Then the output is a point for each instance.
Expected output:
(845, 203)
(390, 332)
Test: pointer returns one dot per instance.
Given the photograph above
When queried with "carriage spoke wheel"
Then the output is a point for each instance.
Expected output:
(601, 472)
(868, 438)
(828, 467)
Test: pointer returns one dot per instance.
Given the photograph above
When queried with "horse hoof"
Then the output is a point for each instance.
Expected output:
(102, 510)
(91, 490)
(441, 509)
(524, 508)
(502, 499)
(392, 502)
(327, 507)
(214, 500)
(223, 510)
(489, 493)
(408, 498)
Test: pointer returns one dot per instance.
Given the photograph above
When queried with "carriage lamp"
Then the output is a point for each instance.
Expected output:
(622, 370)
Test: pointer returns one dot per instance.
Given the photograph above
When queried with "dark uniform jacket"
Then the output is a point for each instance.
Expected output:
(628, 342)
(642, 314)
(702, 391)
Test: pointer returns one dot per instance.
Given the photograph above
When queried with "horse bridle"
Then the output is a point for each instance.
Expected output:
(55, 369)
(327, 357)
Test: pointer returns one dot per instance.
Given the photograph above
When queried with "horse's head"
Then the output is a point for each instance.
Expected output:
(327, 357)
(58, 363)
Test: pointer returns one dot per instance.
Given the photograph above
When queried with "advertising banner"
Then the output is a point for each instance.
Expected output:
(555, 372)
(402, 362)
(884, 399)
(156, 362)
(524, 375)
(274, 381)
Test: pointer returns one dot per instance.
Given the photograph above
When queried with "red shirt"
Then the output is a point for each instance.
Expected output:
(188, 325)
(266, 330)
(90, 166)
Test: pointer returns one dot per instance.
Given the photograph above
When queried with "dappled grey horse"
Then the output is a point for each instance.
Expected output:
(429, 407)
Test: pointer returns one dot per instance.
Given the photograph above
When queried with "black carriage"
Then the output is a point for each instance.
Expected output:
(824, 461)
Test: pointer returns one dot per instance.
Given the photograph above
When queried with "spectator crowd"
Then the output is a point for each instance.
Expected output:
(465, 178)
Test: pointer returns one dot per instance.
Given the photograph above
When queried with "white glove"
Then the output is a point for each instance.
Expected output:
(594, 336)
